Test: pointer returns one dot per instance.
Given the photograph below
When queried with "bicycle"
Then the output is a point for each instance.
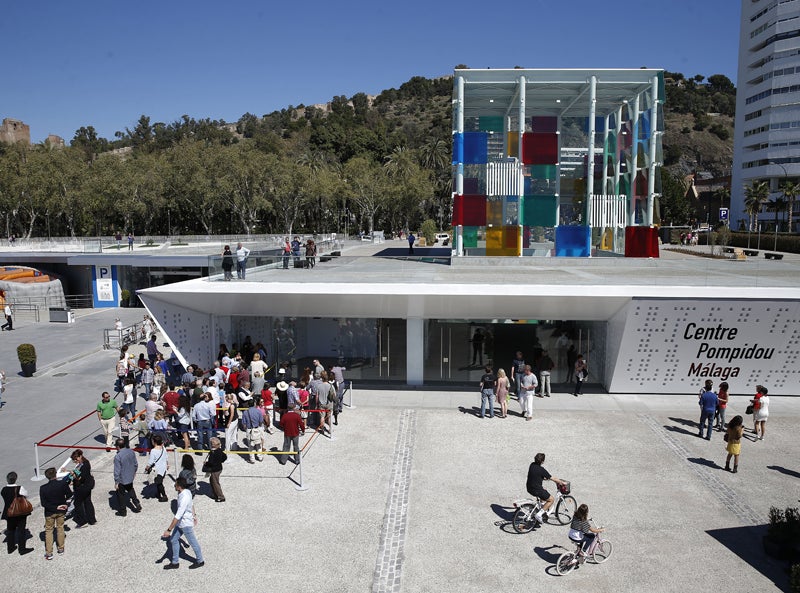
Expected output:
(525, 520)
(599, 550)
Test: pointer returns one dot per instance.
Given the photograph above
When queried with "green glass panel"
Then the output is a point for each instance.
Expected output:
(658, 187)
(659, 149)
(611, 143)
(540, 211)
(490, 123)
(470, 236)
(548, 172)
(624, 185)
(662, 92)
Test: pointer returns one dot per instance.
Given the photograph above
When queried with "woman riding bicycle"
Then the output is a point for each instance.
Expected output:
(580, 530)
(536, 475)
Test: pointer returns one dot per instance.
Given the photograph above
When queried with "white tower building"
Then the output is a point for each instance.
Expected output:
(767, 136)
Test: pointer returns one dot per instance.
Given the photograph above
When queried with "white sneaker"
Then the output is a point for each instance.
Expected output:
(538, 516)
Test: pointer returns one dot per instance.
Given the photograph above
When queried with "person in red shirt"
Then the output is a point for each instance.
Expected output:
(171, 400)
(293, 427)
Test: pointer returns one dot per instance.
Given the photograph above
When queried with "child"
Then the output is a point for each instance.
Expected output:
(188, 473)
(125, 426)
(143, 431)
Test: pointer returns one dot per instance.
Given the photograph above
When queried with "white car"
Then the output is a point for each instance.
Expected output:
(443, 238)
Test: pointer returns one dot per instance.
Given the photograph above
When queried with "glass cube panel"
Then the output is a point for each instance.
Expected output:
(470, 236)
(539, 149)
(542, 124)
(476, 149)
(540, 210)
(494, 210)
(512, 144)
(491, 123)
(511, 214)
(458, 148)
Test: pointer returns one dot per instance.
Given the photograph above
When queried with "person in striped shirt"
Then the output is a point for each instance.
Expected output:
(581, 529)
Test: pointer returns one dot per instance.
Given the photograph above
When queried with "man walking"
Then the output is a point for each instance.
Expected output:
(241, 261)
(9, 324)
(527, 389)
(293, 427)
(517, 370)
(183, 524)
(107, 414)
(411, 239)
(203, 413)
(487, 391)
(708, 407)
(53, 497)
(152, 350)
(125, 467)
(545, 367)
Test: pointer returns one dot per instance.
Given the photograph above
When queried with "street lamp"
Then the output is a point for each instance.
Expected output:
(785, 179)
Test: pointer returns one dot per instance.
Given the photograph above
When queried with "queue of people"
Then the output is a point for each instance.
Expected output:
(713, 407)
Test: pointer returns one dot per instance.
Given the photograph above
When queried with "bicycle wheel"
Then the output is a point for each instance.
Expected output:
(565, 509)
(566, 563)
(524, 520)
(602, 551)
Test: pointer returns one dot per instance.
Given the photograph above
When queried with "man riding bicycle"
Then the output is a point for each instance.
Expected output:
(536, 475)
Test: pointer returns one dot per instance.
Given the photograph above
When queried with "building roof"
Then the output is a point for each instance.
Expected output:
(552, 92)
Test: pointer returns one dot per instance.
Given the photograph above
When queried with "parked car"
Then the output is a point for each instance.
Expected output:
(443, 238)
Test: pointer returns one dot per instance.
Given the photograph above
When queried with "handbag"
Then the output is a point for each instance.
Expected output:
(725, 437)
(749, 409)
(19, 507)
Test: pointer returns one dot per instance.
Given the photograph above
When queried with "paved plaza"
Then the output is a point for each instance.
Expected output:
(413, 494)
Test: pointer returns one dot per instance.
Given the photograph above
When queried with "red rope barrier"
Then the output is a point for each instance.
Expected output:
(81, 419)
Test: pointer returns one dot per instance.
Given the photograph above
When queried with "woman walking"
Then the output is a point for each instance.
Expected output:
(722, 404)
(227, 262)
(580, 375)
(184, 419)
(231, 416)
(502, 386)
(159, 464)
(213, 467)
(760, 411)
(734, 447)
(258, 373)
(82, 483)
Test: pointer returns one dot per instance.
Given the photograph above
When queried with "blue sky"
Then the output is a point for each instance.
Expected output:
(72, 64)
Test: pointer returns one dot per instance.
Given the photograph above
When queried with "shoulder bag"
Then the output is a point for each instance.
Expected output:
(19, 507)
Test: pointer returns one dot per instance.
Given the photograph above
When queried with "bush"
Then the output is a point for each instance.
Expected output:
(720, 131)
(26, 353)
(428, 230)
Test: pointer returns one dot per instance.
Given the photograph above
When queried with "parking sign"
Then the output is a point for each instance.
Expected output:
(723, 214)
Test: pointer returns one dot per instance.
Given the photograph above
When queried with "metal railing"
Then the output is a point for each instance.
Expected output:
(130, 334)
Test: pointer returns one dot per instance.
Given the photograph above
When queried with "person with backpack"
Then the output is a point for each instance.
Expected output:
(252, 422)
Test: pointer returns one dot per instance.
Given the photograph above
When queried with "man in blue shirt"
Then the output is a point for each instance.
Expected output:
(708, 407)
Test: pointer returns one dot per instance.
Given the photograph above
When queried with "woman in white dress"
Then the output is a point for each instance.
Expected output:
(760, 411)
(258, 373)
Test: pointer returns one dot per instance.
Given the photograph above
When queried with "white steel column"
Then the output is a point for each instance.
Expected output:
(459, 189)
(651, 174)
(634, 162)
(415, 350)
(617, 165)
(558, 171)
(605, 156)
(520, 177)
(590, 168)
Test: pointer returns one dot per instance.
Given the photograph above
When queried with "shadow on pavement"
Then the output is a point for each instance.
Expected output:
(706, 462)
(679, 430)
(783, 470)
(550, 554)
(745, 542)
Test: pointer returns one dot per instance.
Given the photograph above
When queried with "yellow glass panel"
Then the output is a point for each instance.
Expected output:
(513, 144)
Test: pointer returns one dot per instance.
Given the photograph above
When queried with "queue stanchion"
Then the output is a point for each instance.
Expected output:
(37, 476)
(330, 423)
(351, 405)
(302, 486)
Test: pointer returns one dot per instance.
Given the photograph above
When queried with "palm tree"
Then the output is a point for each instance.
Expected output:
(790, 191)
(756, 194)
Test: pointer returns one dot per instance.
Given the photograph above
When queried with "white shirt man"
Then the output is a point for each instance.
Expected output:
(527, 389)
(241, 261)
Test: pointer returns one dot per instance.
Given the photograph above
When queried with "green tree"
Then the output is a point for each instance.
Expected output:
(790, 191)
(367, 184)
(755, 196)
